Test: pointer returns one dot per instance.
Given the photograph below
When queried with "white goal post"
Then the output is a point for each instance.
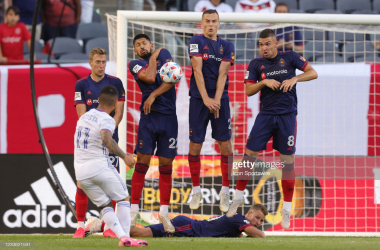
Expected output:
(337, 117)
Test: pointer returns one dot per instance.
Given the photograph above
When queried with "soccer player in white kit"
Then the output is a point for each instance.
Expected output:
(94, 171)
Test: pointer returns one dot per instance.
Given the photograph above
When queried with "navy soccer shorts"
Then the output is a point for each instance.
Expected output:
(159, 131)
(283, 128)
(200, 115)
(182, 226)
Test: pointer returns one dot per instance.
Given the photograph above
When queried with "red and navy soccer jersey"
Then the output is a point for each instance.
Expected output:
(213, 53)
(87, 92)
(221, 226)
(280, 68)
(164, 103)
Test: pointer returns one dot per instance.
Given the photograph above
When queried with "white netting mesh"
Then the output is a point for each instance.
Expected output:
(337, 123)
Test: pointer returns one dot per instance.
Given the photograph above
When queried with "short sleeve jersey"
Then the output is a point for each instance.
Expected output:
(87, 92)
(290, 33)
(212, 53)
(221, 226)
(12, 40)
(164, 103)
(280, 68)
(201, 6)
(90, 155)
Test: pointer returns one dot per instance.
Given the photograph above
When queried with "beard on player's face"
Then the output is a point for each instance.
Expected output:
(145, 54)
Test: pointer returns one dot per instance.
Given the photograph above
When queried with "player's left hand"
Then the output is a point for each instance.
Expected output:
(287, 85)
(148, 104)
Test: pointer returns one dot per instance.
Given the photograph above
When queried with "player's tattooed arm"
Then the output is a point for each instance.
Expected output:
(197, 63)
(309, 74)
(148, 75)
(114, 148)
(152, 97)
(254, 232)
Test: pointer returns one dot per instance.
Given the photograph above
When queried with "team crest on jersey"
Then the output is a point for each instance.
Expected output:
(18, 31)
(89, 102)
(232, 55)
(158, 63)
(141, 144)
(263, 76)
(303, 59)
(169, 60)
(282, 62)
(191, 132)
(205, 56)
(221, 49)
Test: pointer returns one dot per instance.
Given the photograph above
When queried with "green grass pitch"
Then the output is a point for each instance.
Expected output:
(57, 242)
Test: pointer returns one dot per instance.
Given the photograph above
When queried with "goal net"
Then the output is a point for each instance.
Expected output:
(337, 169)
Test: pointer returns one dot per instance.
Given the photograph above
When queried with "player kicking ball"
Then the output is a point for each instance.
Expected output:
(158, 126)
(274, 75)
(220, 226)
(94, 171)
(87, 92)
(211, 59)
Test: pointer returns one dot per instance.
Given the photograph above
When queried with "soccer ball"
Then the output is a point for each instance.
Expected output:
(171, 73)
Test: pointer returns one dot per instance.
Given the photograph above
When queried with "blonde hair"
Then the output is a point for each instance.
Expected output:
(261, 207)
(97, 51)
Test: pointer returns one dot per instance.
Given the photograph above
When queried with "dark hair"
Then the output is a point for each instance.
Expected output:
(261, 207)
(210, 11)
(15, 9)
(267, 33)
(281, 4)
(140, 36)
(108, 95)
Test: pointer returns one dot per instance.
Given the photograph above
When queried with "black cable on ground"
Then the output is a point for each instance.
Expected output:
(65, 198)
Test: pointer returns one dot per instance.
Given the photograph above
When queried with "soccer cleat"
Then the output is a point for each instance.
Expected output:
(224, 201)
(79, 233)
(285, 222)
(234, 206)
(109, 233)
(129, 242)
(92, 226)
(168, 226)
(195, 200)
(134, 216)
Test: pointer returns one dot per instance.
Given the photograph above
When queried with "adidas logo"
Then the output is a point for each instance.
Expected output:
(262, 67)
(205, 47)
(46, 208)
(89, 93)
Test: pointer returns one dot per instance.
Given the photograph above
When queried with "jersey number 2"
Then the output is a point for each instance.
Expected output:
(173, 142)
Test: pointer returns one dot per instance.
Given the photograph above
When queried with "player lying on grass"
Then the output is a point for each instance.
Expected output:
(220, 226)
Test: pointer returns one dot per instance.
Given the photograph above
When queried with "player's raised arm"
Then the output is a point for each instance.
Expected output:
(149, 74)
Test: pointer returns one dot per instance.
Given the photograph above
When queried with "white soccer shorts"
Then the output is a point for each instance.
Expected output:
(105, 186)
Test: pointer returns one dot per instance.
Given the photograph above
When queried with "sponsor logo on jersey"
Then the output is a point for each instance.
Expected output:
(246, 75)
(263, 76)
(279, 72)
(232, 55)
(89, 101)
(262, 67)
(136, 69)
(221, 49)
(141, 144)
(303, 59)
(282, 62)
(89, 93)
(9, 39)
(205, 56)
(205, 47)
(290, 148)
(78, 96)
(215, 58)
(194, 48)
